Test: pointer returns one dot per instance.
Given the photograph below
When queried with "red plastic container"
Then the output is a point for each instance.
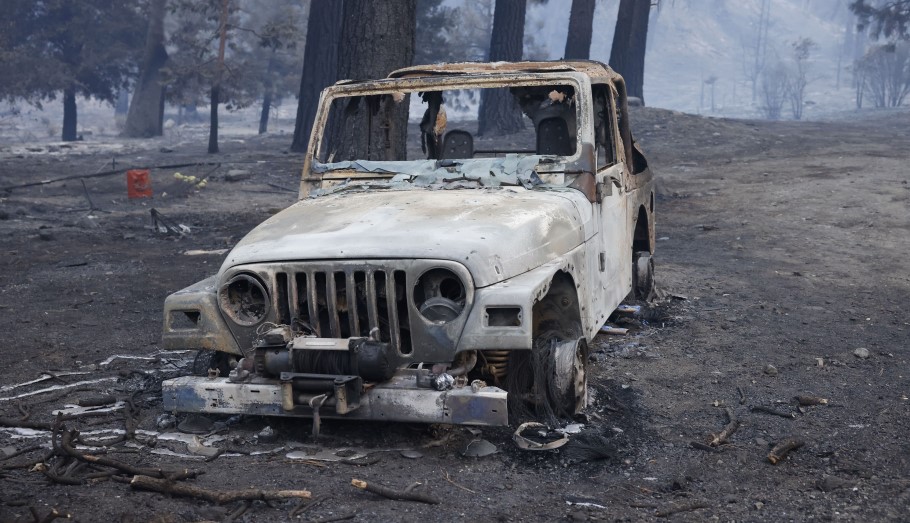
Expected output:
(138, 184)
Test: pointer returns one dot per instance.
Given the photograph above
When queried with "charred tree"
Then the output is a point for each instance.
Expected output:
(499, 112)
(219, 75)
(145, 115)
(320, 65)
(581, 26)
(379, 39)
(85, 48)
(69, 114)
(627, 56)
(269, 91)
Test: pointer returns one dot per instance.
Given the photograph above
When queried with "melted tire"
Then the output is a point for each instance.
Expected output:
(643, 275)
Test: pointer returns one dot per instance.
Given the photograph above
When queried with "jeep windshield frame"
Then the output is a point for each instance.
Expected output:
(530, 170)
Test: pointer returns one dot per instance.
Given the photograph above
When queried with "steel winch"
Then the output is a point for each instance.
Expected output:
(327, 371)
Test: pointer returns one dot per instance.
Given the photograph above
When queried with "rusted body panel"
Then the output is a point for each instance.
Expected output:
(399, 290)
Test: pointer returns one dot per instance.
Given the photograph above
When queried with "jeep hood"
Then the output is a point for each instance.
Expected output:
(495, 233)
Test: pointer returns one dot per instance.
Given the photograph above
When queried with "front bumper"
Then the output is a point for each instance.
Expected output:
(398, 399)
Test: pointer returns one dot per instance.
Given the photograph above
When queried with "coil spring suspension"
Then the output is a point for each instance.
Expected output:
(496, 363)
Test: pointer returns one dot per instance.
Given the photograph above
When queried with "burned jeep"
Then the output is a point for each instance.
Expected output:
(430, 272)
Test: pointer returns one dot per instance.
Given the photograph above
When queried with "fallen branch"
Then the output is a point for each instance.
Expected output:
(23, 409)
(808, 401)
(63, 480)
(143, 482)
(97, 401)
(462, 487)
(305, 505)
(681, 508)
(395, 494)
(781, 450)
(67, 437)
(724, 435)
(130, 425)
(701, 446)
(102, 173)
(20, 452)
(62, 393)
(20, 424)
(241, 510)
(773, 412)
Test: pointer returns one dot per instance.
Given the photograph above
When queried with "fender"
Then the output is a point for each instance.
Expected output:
(521, 292)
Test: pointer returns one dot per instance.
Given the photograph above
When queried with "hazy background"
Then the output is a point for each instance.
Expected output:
(689, 42)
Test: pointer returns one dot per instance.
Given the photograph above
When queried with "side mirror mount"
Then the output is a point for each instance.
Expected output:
(607, 178)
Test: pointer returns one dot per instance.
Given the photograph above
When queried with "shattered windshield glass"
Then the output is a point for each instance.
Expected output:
(434, 138)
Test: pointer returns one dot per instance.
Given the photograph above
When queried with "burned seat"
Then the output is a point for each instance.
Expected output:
(553, 137)
(457, 144)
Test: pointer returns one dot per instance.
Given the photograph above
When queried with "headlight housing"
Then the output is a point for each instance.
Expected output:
(439, 295)
(244, 299)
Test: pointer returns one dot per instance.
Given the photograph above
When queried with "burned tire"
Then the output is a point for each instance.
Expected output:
(211, 359)
(643, 275)
(549, 382)
(568, 382)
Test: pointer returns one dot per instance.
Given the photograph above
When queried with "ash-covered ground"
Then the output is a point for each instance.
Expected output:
(782, 252)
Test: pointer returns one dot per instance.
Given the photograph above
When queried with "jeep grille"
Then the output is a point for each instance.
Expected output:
(347, 303)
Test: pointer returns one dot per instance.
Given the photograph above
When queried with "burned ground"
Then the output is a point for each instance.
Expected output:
(782, 250)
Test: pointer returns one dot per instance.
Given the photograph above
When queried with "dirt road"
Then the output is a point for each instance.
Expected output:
(783, 250)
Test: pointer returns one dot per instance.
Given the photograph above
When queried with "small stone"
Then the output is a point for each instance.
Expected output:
(266, 435)
(195, 446)
(759, 505)
(861, 353)
(761, 442)
(236, 175)
(4, 215)
(195, 424)
(770, 370)
(7, 451)
(411, 454)
(479, 448)
(45, 235)
(166, 421)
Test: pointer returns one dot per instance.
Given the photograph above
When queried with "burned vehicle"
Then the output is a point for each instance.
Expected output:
(431, 271)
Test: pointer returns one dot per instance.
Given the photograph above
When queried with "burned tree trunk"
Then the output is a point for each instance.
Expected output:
(581, 26)
(214, 97)
(144, 117)
(219, 74)
(379, 39)
(266, 107)
(627, 56)
(69, 114)
(499, 112)
(267, 95)
(320, 65)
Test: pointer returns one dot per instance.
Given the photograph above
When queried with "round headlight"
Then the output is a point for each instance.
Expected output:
(244, 299)
(439, 295)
